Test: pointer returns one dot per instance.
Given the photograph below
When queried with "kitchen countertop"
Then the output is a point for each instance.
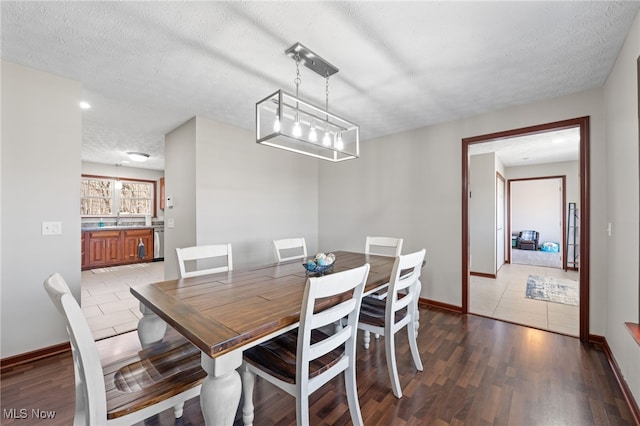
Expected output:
(118, 227)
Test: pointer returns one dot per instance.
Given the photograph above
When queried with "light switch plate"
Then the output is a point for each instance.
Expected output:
(170, 223)
(51, 228)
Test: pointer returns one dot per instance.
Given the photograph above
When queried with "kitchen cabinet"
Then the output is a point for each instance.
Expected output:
(131, 241)
(105, 248)
(162, 193)
(116, 247)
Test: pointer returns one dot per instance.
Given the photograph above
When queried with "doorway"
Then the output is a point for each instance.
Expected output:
(538, 203)
(582, 124)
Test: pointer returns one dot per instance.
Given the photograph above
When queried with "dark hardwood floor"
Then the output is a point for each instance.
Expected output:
(477, 371)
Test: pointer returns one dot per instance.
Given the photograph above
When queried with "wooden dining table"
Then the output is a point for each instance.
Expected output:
(226, 313)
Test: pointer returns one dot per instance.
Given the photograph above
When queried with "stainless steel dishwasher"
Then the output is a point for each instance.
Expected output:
(158, 244)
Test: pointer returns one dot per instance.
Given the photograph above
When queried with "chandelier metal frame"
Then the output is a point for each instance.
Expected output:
(285, 121)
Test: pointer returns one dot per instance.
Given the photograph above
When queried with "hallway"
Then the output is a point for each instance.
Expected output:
(504, 298)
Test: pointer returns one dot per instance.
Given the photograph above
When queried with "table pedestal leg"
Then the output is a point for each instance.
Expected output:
(221, 389)
(151, 328)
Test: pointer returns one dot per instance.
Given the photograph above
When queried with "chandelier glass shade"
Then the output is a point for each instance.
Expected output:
(287, 122)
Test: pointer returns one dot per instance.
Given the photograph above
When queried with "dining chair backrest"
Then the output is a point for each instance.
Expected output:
(91, 402)
(127, 390)
(321, 350)
(399, 309)
(403, 285)
(325, 287)
(384, 246)
(289, 249)
(206, 259)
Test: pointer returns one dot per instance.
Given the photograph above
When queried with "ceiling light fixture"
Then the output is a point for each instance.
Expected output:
(287, 122)
(85, 105)
(138, 156)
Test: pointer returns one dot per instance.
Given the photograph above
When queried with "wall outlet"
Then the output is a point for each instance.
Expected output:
(51, 228)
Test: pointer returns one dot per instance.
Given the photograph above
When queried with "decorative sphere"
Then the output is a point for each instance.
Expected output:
(323, 261)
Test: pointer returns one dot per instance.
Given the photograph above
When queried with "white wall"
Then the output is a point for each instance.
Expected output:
(537, 205)
(621, 298)
(570, 169)
(409, 185)
(482, 213)
(180, 186)
(41, 146)
(89, 168)
(245, 194)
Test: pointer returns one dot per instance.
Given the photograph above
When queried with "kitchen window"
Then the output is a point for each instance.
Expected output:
(107, 196)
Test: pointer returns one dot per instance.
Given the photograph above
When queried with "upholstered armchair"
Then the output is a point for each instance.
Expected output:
(528, 240)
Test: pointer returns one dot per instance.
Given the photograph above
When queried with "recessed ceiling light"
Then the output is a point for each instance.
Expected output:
(85, 105)
(138, 156)
(557, 140)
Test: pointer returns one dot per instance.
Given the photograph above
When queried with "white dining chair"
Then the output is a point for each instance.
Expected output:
(302, 360)
(383, 246)
(203, 258)
(289, 249)
(398, 310)
(128, 390)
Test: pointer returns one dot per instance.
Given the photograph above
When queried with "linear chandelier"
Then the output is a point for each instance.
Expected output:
(287, 122)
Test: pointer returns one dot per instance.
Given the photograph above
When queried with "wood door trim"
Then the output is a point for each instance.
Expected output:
(506, 254)
(582, 123)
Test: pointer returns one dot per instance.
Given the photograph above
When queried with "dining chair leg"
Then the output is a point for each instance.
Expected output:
(302, 408)
(367, 339)
(389, 349)
(248, 383)
(413, 345)
(352, 396)
(413, 331)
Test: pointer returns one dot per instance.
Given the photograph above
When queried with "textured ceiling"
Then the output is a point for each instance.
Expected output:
(147, 67)
(548, 147)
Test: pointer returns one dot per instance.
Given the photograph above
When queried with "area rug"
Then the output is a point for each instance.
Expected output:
(551, 289)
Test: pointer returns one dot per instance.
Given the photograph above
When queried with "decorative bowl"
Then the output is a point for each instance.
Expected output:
(312, 269)
(320, 264)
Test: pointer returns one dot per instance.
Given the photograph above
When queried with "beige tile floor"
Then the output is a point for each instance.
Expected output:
(106, 301)
(504, 298)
